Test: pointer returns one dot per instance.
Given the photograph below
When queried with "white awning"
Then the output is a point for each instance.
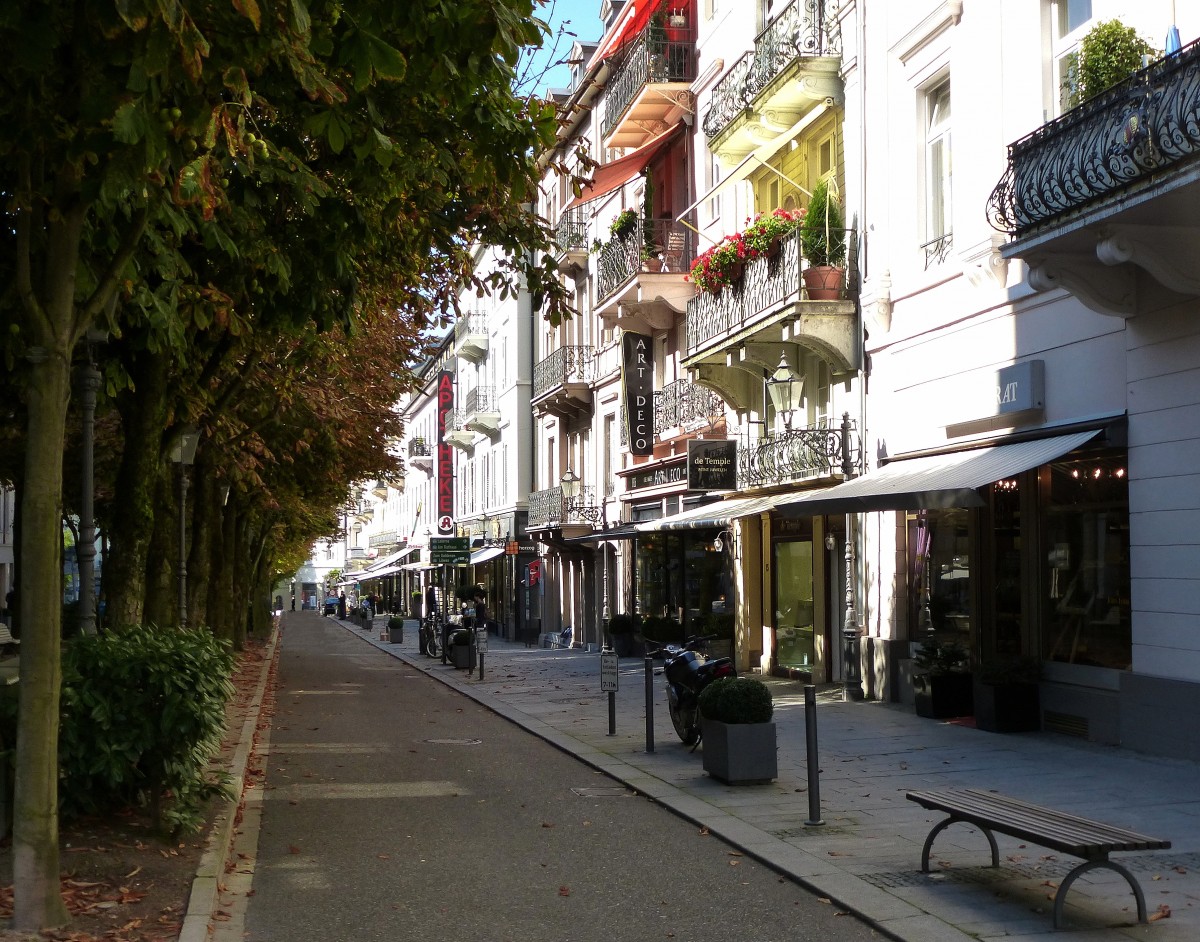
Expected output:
(717, 514)
(376, 573)
(488, 552)
(946, 480)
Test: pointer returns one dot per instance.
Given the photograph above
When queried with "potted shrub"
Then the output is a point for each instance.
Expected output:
(942, 686)
(1006, 695)
(737, 732)
(1108, 54)
(623, 225)
(823, 244)
(395, 626)
(462, 648)
(621, 629)
(651, 260)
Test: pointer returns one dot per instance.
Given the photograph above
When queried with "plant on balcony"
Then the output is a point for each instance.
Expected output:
(624, 224)
(823, 244)
(650, 250)
(1108, 54)
(764, 235)
(720, 266)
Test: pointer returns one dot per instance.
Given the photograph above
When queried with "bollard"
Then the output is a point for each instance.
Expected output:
(649, 703)
(612, 713)
(814, 765)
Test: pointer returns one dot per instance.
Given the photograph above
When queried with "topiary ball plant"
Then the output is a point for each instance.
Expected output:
(737, 700)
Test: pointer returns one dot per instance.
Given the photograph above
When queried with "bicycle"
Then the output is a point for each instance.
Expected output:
(431, 633)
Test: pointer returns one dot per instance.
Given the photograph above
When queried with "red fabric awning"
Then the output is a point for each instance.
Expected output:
(620, 171)
(634, 16)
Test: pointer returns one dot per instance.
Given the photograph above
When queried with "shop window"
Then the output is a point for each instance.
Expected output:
(1086, 578)
(794, 605)
(940, 574)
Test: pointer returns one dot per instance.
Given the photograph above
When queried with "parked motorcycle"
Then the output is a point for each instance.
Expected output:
(688, 670)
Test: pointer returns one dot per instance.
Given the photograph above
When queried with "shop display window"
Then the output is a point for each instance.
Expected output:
(1086, 577)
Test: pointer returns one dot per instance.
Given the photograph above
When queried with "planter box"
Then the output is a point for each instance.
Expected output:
(740, 754)
(1007, 708)
(942, 696)
(396, 635)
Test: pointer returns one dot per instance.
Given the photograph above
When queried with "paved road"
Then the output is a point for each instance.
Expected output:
(397, 808)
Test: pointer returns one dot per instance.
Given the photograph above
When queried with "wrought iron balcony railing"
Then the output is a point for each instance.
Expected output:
(571, 364)
(418, 448)
(765, 286)
(1123, 137)
(546, 508)
(621, 257)
(571, 232)
(682, 403)
(480, 399)
(470, 324)
(804, 28)
(652, 58)
(800, 454)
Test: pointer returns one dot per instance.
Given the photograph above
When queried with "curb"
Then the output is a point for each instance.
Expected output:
(202, 901)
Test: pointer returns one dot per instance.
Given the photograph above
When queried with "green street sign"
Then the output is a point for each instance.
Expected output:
(450, 550)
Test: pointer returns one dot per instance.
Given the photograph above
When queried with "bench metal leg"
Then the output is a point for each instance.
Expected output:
(1083, 868)
(941, 826)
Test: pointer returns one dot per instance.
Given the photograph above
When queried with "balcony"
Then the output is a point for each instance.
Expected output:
(560, 382)
(650, 89)
(457, 435)
(683, 405)
(480, 412)
(546, 509)
(736, 337)
(794, 67)
(1103, 200)
(471, 336)
(570, 242)
(419, 454)
(795, 455)
(632, 296)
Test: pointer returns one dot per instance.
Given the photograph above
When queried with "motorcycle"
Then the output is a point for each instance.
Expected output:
(688, 670)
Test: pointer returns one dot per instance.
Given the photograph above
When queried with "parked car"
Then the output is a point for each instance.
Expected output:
(331, 604)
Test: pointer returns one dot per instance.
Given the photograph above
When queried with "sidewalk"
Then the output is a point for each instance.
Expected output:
(866, 856)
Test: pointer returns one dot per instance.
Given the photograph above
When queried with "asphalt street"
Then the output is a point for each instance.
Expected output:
(393, 807)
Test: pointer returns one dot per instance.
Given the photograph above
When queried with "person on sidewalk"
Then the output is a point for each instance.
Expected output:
(341, 605)
(481, 610)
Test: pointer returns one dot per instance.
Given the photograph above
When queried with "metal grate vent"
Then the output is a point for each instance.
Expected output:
(1065, 723)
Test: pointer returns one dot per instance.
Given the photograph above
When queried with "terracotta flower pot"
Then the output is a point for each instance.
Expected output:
(824, 282)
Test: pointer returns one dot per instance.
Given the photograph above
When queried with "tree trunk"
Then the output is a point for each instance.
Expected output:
(160, 587)
(206, 511)
(143, 416)
(38, 901)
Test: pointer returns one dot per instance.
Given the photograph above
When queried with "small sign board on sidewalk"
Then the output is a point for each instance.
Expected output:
(608, 671)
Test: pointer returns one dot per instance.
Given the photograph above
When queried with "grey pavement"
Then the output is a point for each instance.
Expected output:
(865, 856)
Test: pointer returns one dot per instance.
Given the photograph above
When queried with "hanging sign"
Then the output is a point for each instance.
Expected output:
(712, 465)
(637, 378)
(445, 454)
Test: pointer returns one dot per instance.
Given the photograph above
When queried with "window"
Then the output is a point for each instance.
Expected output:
(714, 177)
(937, 173)
(1068, 21)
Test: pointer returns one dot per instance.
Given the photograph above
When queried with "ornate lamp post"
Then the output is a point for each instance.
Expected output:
(183, 453)
(786, 389)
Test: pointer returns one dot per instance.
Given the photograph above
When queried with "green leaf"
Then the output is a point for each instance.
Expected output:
(129, 123)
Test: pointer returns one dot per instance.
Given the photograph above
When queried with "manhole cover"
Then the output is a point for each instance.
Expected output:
(455, 742)
(604, 791)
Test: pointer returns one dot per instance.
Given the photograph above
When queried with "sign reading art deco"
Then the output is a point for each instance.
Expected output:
(445, 454)
(637, 375)
(712, 465)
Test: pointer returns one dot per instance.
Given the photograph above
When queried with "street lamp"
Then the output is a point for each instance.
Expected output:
(786, 389)
(183, 453)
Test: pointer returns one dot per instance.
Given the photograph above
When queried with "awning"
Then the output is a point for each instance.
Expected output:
(416, 567)
(630, 22)
(758, 158)
(718, 514)
(626, 531)
(946, 480)
(488, 552)
(618, 172)
(376, 573)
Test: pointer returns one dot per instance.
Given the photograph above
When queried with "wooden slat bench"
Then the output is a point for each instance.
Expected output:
(1091, 840)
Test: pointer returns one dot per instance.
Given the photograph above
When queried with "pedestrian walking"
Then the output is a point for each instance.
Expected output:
(341, 605)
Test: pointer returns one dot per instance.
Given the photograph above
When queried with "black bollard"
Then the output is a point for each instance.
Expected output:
(814, 765)
(649, 703)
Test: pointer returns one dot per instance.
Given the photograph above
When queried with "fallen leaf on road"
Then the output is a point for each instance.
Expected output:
(547, 824)
(1163, 912)
(564, 891)
(293, 849)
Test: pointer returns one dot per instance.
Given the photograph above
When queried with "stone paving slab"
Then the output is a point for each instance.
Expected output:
(866, 855)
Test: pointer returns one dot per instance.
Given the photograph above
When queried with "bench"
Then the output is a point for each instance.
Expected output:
(1093, 841)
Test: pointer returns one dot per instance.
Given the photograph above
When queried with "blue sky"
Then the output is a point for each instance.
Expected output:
(582, 18)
